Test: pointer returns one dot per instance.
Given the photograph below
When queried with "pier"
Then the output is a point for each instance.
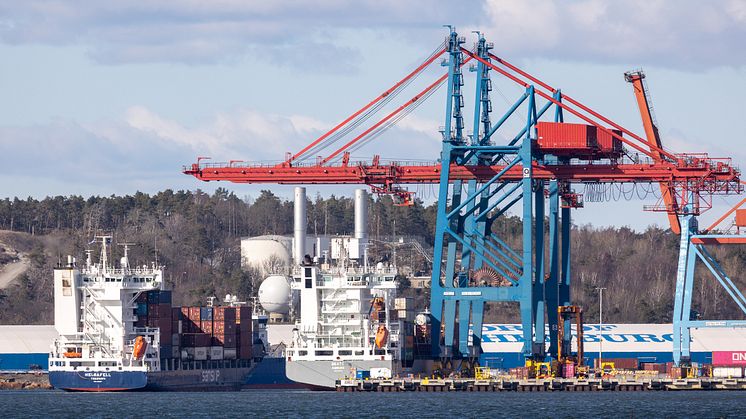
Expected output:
(539, 385)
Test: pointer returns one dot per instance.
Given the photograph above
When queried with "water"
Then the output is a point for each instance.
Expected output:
(303, 404)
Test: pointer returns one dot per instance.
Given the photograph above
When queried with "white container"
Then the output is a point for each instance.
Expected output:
(406, 315)
(200, 353)
(216, 352)
(229, 353)
(727, 372)
(380, 373)
(403, 303)
(187, 353)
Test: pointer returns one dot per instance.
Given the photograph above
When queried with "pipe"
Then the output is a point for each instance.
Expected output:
(361, 214)
(299, 225)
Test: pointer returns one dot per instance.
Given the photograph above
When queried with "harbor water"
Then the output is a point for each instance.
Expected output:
(303, 404)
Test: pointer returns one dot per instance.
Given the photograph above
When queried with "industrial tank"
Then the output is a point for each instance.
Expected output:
(274, 294)
(268, 253)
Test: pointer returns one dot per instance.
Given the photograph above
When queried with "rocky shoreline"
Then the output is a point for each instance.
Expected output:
(24, 381)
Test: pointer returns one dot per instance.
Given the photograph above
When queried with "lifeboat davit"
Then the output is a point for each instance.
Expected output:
(139, 350)
(382, 336)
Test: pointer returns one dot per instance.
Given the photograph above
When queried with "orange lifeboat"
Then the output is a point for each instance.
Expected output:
(140, 345)
(72, 354)
(382, 336)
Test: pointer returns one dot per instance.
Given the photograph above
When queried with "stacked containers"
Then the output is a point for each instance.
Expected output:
(244, 333)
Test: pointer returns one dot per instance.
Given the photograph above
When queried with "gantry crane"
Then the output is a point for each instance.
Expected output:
(480, 179)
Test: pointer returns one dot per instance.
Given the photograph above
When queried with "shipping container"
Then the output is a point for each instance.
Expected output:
(403, 303)
(200, 353)
(362, 374)
(165, 297)
(568, 370)
(607, 143)
(206, 326)
(380, 373)
(202, 339)
(194, 314)
(154, 310)
(205, 313)
(142, 309)
(188, 340)
(224, 313)
(166, 351)
(216, 352)
(741, 217)
(153, 297)
(619, 363)
(175, 339)
(560, 138)
(229, 353)
(187, 353)
(727, 372)
(728, 358)
(245, 352)
(175, 352)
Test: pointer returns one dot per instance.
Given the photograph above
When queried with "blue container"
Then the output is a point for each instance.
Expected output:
(205, 313)
(153, 297)
(142, 309)
(362, 374)
(165, 297)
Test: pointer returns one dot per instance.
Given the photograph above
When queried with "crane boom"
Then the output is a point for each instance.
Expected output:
(654, 141)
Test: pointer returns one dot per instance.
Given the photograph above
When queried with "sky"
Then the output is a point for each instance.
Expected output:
(102, 98)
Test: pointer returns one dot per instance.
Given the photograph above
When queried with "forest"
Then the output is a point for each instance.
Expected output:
(196, 236)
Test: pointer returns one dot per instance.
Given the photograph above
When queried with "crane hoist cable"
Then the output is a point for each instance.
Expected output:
(371, 109)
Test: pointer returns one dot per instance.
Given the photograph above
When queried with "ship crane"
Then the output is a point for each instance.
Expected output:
(480, 179)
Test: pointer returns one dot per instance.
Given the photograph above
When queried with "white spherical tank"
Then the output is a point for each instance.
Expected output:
(274, 294)
(270, 254)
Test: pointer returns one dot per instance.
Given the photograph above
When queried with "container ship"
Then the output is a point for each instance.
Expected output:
(118, 332)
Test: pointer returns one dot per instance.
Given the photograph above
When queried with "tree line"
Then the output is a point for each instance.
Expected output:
(196, 236)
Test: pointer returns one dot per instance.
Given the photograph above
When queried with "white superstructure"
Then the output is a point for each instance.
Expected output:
(94, 306)
(347, 318)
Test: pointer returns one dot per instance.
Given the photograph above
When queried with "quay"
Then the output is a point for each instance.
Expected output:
(539, 385)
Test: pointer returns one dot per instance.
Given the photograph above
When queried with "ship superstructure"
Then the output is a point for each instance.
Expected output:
(118, 331)
(94, 316)
(346, 325)
(347, 321)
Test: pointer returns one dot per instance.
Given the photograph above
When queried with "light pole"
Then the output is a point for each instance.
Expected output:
(600, 323)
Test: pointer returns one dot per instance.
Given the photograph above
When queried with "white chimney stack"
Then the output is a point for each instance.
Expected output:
(299, 225)
(361, 214)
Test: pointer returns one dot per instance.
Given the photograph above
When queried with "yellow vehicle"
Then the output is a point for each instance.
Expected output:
(482, 373)
(538, 369)
(607, 368)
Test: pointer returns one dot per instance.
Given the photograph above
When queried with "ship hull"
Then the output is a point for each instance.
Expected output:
(323, 375)
(270, 373)
(98, 381)
(216, 379)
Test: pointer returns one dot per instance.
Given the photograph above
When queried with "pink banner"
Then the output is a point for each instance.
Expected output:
(729, 358)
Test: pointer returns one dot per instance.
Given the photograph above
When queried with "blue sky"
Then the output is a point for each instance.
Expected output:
(113, 97)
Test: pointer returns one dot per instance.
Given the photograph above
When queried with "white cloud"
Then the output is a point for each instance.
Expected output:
(683, 34)
(198, 32)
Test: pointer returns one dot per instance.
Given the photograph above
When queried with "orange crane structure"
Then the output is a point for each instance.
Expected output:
(480, 177)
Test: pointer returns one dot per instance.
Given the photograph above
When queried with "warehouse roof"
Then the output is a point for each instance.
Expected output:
(26, 339)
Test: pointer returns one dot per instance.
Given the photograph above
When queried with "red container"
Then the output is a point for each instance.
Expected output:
(620, 363)
(154, 310)
(728, 358)
(607, 143)
(568, 370)
(164, 309)
(244, 352)
(741, 217)
(218, 328)
(194, 314)
(564, 138)
(206, 327)
(229, 341)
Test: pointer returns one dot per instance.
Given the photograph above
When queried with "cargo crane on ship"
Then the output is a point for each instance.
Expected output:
(481, 178)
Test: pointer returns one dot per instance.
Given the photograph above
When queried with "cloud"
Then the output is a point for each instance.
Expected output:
(681, 34)
(144, 150)
(299, 32)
